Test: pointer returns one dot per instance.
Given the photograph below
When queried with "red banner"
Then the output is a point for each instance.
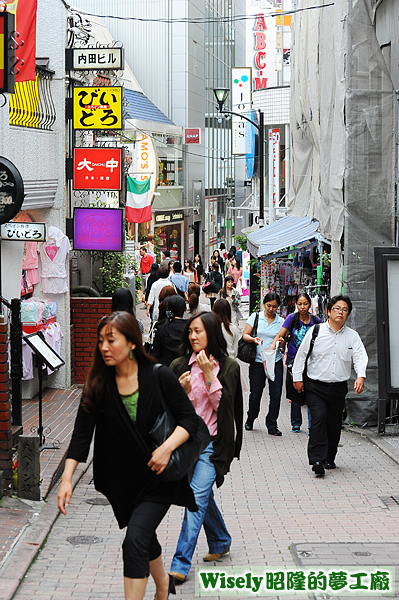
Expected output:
(97, 168)
(25, 13)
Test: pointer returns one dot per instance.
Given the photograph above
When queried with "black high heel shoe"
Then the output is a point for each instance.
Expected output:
(171, 587)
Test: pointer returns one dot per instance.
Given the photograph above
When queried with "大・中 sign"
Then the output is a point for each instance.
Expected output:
(97, 107)
(97, 169)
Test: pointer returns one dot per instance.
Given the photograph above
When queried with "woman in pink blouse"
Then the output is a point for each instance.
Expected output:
(212, 382)
(235, 269)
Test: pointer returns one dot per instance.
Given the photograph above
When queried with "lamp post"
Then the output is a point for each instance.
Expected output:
(221, 96)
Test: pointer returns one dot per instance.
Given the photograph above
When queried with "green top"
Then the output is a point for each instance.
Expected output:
(130, 403)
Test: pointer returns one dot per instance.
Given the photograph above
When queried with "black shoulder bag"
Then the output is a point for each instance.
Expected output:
(247, 350)
(184, 457)
(291, 392)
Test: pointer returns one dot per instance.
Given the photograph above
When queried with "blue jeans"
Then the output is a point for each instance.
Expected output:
(296, 415)
(207, 515)
(257, 380)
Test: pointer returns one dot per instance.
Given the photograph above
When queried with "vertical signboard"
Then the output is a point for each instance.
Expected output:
(241, 96)
(98, 108)
(274, 166)
(213, 230)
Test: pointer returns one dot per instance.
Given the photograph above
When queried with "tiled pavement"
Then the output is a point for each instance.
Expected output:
(271, 501)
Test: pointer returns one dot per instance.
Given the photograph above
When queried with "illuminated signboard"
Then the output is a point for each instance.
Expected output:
(97, 107)
(97, 169)
(98, 229)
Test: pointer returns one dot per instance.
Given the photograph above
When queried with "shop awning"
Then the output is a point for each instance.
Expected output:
(296, 232)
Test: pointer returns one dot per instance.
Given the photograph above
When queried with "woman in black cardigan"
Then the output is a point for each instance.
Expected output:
(120, 402)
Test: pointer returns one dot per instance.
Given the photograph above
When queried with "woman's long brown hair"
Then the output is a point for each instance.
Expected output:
(95, 384)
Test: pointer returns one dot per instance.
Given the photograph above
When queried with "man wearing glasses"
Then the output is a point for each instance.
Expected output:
(326, 385)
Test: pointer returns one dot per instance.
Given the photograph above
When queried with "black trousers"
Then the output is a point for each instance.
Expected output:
(141, 545)
(326, 402)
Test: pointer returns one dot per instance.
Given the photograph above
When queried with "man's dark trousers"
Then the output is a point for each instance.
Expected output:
(326, 403)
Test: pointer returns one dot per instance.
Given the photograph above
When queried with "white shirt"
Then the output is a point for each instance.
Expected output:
(330, 360)
(231, 340)
(153, 296)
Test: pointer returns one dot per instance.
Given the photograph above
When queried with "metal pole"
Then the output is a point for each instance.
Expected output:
(261, 170)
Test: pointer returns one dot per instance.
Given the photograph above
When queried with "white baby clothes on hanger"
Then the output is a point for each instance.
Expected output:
(53, 254)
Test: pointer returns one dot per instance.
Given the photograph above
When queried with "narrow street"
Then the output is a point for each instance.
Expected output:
(275, 509)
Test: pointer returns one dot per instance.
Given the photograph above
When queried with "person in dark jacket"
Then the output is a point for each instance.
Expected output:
(122, 299)
(213, 384)
(121, 403)
(217, 280)
(168, 334)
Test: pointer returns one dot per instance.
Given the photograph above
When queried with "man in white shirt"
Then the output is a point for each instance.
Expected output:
(153, 297)
(328, 371)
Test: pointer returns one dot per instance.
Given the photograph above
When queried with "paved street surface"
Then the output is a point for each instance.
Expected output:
(278, 512)
(270, 501)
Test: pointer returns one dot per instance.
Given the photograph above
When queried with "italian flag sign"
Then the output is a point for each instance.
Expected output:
(138, 201)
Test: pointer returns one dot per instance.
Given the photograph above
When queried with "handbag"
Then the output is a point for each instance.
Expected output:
(291, 392)
(209, 286)
(247, 350)
(186, 455)
(148, 344)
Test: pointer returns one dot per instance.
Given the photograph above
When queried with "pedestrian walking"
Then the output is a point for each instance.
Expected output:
(335, 346)
(230, 293)
(292, 332)
(153, 298)
(189, 271)
(193, 301)
(168, 334)
(166, 260)
(121, 404)
(212, 382)
(235, 269)
(152, 279)
(215, 281)
(231, 333)
(122, 299)
(199, 267)
(219, 260)
(269, 324)
(179, 281)
(145, 266)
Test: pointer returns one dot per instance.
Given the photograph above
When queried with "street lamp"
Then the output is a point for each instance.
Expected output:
(221, 95)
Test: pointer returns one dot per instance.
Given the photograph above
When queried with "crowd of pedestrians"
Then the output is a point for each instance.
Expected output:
(197, 340)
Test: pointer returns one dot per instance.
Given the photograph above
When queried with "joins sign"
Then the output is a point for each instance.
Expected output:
(241, 96)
